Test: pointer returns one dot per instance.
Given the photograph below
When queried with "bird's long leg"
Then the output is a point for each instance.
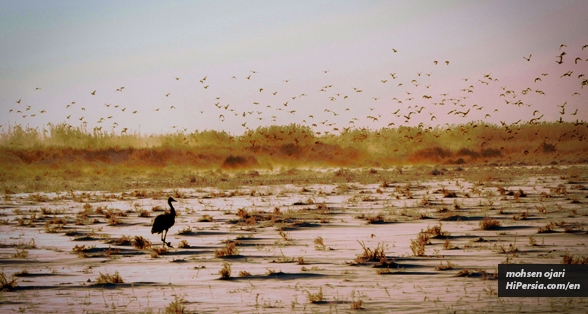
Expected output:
(163, 235)
(168, 243)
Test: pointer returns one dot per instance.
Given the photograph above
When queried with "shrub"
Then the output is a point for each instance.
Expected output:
(370, 255)
(5, 284)
(176, 306)
(315, 297)
(489, 223)
(230, 249)
(244, 273)
(418, 246)
(570, 259)
(206, 218)
(183, 244)
(437, 231)
(108, 278)
(225, 272)
(141, 243)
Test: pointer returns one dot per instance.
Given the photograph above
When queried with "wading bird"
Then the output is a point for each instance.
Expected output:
(165, 221)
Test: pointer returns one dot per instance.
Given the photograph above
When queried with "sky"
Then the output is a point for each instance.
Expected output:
(154, 67)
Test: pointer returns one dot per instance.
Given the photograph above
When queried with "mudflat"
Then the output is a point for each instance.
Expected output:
(410, 239)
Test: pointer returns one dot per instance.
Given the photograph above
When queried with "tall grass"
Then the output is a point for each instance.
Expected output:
(296, 144)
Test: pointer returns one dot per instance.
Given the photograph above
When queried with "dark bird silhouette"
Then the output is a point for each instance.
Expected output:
(529, 58)
(165, 221)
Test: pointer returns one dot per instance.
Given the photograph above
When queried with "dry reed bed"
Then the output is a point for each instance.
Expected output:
(63, 152)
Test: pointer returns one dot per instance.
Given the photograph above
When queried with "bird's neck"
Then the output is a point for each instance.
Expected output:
(172, 210)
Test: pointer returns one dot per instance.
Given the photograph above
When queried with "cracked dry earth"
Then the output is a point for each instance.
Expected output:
(430, 245)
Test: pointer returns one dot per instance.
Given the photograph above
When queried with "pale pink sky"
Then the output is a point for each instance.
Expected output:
(68, 49)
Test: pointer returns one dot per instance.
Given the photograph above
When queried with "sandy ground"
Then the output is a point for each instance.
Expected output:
(278, 238)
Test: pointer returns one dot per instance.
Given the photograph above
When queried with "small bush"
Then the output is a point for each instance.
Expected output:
(437, 231)
(370, 255)
(183, 244)
(489, 223)
(225, 272)
(230, 249)
(319, 244)
(464, 273)
(185, 231)
(315, 297)
(141, 243)
(447, 245)
(206, 218)
(244, 273)
(550, 227)
(357, 305)
(5, 284)
(108, 278)
(23, 254)
(448, 193)
(158, 250)
(176, 306)
(418, 246)
(444, 267)
(570, 259)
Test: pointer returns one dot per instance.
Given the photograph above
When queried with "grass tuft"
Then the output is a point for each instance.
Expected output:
(5, 284)
(370, 255)
(176, 306)
(108, 278)
(489, 223)
(317, 297)
(225, 272)
(230, 249)
(141, 243)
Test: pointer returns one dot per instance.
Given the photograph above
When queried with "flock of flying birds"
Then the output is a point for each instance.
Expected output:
(335, 112)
